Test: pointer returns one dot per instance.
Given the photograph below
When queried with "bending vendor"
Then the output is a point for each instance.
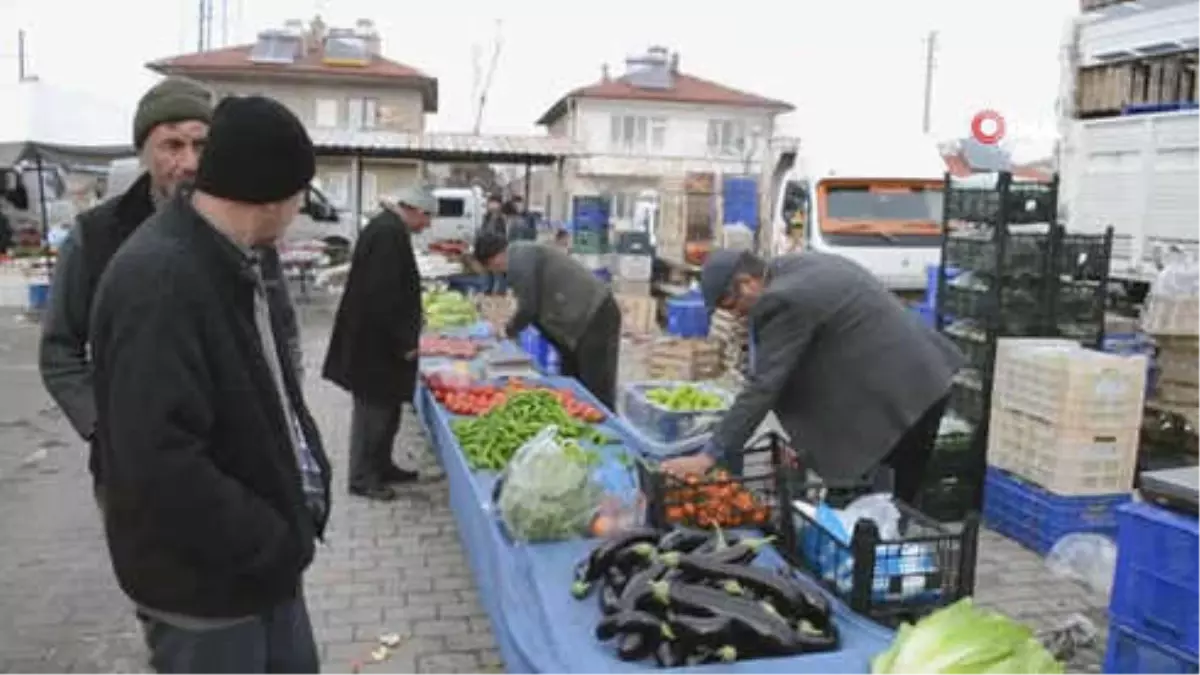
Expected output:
(855, 378)
(573, 309)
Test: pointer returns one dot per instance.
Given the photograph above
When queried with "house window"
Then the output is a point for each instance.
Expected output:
(726, 137)
(336, 186)
(327, 113)
(630, 133)
(363, 113)
(622, 204)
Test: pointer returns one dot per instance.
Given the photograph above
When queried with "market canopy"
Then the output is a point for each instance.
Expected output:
(60, 125)
(445, 147)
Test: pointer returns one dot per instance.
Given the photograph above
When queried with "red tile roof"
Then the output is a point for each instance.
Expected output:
(685, 89)
(236, 61)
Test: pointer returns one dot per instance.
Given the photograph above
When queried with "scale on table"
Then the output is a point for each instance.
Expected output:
(508, 360)
(1174, 489)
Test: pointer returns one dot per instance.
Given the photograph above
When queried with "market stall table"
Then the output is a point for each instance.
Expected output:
(525, 588)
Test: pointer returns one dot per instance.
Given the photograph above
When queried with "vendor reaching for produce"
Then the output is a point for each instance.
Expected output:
(573, 309)
(373, 350)
(854, 377)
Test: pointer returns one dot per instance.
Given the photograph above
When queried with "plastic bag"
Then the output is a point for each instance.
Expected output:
(879, 507)
(1090, 559)
(548, 491)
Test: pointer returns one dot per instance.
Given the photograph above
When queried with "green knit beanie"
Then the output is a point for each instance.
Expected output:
(175, 99)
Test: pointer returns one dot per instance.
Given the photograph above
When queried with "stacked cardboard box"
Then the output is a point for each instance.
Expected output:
(639, 314)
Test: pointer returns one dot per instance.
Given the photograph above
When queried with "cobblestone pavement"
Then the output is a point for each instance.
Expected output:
(394, 568)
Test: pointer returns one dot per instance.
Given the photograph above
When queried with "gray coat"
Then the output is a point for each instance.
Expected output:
(553, 290)
(845, 366)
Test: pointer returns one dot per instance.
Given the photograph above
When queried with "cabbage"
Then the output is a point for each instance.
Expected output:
(963, 638)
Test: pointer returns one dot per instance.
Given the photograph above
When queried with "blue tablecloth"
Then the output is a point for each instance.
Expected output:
(524, 588)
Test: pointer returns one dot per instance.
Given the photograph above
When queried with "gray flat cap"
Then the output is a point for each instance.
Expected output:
(716, 276)
(419, 197)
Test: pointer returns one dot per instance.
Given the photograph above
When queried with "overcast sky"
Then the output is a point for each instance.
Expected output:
(847, 65)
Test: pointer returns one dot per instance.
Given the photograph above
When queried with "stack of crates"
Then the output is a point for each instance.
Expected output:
(1063, 434)
(1008, 269)
(590, 225)
(1153, 610)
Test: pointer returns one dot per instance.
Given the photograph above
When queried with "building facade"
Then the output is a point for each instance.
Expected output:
(331, 78)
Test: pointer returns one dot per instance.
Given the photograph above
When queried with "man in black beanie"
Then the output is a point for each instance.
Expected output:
(214, 473)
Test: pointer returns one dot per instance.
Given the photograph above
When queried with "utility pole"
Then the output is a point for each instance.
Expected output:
(487, 82)
(930, 60)
(20, 56)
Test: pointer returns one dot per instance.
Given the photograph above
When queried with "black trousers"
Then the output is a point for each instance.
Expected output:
(910, 456)
(597, 357)
(373, 427)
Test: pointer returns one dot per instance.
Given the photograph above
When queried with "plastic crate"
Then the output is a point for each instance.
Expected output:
(1026, 203)
(973, 345)
(671, 501)
(1129, 652)
(1020, 310)
(1024, 253)
(967, 400)
(931, 282)
(1157, 581)
(670, 426)
(953, 478)
(1063, 460)
(1083, 257)
(687, 316)
(1037, 519)
(589, 242)
(927, 566)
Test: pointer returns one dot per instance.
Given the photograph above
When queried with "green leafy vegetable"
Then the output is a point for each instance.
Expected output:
(549, 494)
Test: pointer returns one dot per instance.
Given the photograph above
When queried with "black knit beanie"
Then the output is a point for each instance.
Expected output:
(257, 153)
(175, 99)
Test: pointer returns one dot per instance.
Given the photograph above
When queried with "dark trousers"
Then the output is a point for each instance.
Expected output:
(910, 456)
(279, 640)
(373, 427)
(597, 356)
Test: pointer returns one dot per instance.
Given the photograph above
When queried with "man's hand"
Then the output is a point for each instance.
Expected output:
(681, 467)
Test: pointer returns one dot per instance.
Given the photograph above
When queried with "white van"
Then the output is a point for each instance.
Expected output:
(879, 204)
(318, 222)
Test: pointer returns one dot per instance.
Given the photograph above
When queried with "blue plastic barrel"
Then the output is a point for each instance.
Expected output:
(39, 294)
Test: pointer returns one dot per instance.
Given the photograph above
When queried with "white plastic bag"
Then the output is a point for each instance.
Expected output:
(1090, 559)
(548, 491)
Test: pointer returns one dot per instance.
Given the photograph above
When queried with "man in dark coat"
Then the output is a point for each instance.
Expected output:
(215, 480)
(573, 309)
(373, 350)
(855, 378)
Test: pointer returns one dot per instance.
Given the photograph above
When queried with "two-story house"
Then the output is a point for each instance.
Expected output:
(655, 121)
(332, 79)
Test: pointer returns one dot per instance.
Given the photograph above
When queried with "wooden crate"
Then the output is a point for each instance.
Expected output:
(1155, 80)
(685, 359)
(639, 314)
(638, 288)
(497, 308)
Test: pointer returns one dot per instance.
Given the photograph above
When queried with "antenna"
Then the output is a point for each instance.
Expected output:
(930, 60)
(498, 45)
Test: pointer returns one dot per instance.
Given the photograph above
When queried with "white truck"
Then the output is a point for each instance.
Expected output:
(877, 203)
(1134, 172)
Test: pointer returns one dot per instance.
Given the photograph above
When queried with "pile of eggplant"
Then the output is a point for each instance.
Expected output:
(688, 597)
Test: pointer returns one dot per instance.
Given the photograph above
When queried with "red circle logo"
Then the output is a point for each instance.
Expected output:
(987, 127)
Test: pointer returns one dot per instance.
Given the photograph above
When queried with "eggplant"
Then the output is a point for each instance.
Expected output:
(683, 539)
(634, 557)
(649, 626)
(817, 639)
(783, 592)
(601, 556)
(610, 600)
(703, 655)
(617, 578)
(698, 631)
(581, 587)
(668, 654)
(742, 553)
(758, 627)
(634, 647)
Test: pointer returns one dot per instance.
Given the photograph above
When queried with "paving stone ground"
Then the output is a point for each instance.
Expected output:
(395, 568)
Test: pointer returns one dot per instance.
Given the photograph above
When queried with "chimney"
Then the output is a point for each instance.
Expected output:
(605, 76)
(365, 28)
(316, 40)
(675, 63)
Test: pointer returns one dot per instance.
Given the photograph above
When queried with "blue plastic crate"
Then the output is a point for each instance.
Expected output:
(1037, 519)
(1129, 652)
(686, 316)
(931, 283)
(1157, 584)
(667, 426)
(927, 313)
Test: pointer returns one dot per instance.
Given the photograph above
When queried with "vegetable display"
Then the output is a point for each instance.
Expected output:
(455, 348)
(963, 638)
(685, 398)
(716, 499)
(490, 440)
(447, 309)
(548, 493)
(477, 399)
(688, 597)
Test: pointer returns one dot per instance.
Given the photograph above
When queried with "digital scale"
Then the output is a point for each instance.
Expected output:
(1173, 489)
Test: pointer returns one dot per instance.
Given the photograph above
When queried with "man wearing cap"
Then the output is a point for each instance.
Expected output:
(215, 479)
(573, 309)
(169, 132)
(855, 378)
(373, 350)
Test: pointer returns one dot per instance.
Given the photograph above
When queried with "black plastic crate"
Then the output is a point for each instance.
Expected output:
(978, 353)
(953, 477)
(673, 501)
(928, 566)
(979, 252)
(1084, 257)
(967, 401)
(1020, 310)
(950, 499)
(1026, 203)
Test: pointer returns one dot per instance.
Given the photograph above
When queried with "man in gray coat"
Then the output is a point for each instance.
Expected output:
(855, 378)
(573, 309)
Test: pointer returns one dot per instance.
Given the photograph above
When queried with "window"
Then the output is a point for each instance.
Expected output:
(336, 185)
(370, 191)
(622, 205)
(451, 208)
(363, 113)
(327, 113)
(726, 137)
(630, 133)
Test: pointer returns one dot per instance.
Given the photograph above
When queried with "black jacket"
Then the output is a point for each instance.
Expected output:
(205, 514)
(379, 317)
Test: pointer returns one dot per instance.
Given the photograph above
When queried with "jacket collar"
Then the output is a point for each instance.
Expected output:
(211, 243)
(136, 204)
